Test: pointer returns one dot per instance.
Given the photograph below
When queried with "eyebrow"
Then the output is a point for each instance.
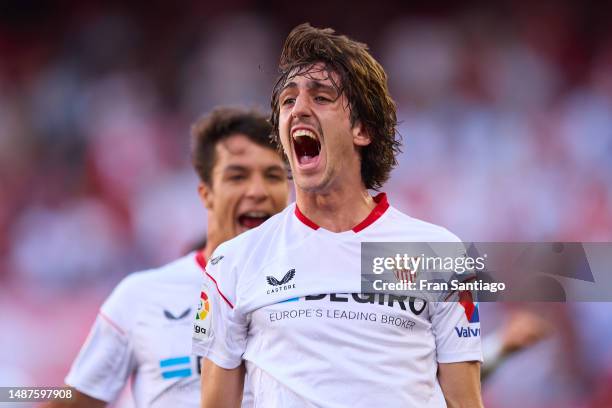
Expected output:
(237, 167)
(275, 167)
(311, 85)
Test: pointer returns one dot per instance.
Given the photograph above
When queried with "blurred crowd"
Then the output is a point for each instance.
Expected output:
(506, 119)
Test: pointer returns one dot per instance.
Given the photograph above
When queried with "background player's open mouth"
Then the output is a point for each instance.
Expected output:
(253, 219)
(307, 148)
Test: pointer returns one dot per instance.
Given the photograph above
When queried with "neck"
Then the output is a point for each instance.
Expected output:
(208, 251)
(338, 210)
(213, 239)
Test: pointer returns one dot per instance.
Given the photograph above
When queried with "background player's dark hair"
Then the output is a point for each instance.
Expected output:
(362, 80)
(220, 124)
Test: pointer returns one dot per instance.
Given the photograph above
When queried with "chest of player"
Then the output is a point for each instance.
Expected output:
(162, 336)
(385, 314)
(305, 268)
(313, 289)
(361, 328)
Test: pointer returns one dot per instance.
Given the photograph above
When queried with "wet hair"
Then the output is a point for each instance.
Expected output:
(362, 80)
(221, 124)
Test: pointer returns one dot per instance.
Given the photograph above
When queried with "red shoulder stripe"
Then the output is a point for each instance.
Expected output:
(218, 290)
(113, 324)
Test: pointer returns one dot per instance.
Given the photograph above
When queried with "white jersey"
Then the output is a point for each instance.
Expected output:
(285, 297)
(143, 331)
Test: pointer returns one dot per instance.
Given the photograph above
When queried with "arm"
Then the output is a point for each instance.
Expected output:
(220, 334)
(458, 356)
(460, 383)
(221, 387)
(78, 400)
(106, 359)
(523, 330)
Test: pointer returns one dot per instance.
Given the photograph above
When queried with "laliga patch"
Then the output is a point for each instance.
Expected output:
(203, 318)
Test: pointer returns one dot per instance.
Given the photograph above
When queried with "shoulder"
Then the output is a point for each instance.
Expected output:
(184, 269)
(409, 228)
(136, 285)
(168, 272)
(253, 242)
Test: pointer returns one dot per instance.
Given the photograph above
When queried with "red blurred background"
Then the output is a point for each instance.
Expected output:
(506, 117)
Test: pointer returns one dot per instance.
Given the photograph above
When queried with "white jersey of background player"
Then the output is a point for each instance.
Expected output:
(143, 330)
(282, 295)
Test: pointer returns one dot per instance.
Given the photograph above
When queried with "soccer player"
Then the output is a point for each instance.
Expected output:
(523, 330)
(143, 330)
(285, 298)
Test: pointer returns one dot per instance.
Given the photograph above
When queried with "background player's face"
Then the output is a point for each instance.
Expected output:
(249, 185)
(316, 132)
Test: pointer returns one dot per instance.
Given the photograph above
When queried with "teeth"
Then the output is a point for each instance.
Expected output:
(256, 214)
(304, 132)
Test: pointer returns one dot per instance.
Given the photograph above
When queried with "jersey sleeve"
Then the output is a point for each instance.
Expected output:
(106, 359)
(219, 330)
(456, 328)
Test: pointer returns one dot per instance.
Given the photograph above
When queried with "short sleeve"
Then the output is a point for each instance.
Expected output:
(104, 363)
(456, 327)
(219, 330)
(106, 359)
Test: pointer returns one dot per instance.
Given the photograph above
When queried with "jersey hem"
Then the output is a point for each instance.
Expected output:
(459, 357)
(90, 391)
(221, 360)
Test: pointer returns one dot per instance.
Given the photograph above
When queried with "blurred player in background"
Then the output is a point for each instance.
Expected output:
(143, 329)
(285, 298)
(522, 330)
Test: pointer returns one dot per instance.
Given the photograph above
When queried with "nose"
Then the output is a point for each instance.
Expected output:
(257, 189)
(301, 107)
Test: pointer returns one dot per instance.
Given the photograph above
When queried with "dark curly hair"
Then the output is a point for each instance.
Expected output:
(219, 125)
(362, 80)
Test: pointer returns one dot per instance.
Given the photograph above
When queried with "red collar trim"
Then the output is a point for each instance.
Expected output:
(201, 259)
(305, 220)
(381, 206)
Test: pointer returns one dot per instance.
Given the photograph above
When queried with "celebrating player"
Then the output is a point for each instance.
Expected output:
(285, 299)
(143, 329)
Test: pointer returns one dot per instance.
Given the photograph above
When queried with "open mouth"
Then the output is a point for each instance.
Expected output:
(253, 219)
(306, 145)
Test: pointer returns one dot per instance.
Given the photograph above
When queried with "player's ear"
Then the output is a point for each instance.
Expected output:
(360, 135)
(205, 193)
